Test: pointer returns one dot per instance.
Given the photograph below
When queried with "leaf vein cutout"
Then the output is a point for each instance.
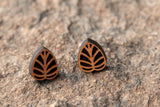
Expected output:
(51, 74)
(98, 60)
(43, 65)
(38, 75)
(50, 61)
(39, 70)
(86, 62)
(51, 77)
(85, 56)
(91, 57)
(54, 66)
(39, 62)
(95, 54)
(99, 65)
(86, 67)
(39, 78)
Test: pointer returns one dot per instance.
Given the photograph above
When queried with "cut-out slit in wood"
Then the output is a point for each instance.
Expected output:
(85, 64)
(91, 57)
(40, 59)
(37, 72)
(50, 77)
(99, 55)
(94, 50)
(37, 65)
(42, 53)
(43, 65)
(51, 64)
(84, 58)
(99, 62)
(49, 58)
(85, 52)
(99, 67)
(38, 78)
(52, 70)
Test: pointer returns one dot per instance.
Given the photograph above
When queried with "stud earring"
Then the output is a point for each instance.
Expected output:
(91, 57)
(43, 65)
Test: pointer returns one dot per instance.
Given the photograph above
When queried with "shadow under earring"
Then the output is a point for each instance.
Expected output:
(91, 57)
(43, 65)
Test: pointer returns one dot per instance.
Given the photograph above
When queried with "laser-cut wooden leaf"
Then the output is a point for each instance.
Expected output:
(43, 65)
(91, 57)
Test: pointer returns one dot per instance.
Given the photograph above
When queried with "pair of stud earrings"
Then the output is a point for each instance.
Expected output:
(91, 58)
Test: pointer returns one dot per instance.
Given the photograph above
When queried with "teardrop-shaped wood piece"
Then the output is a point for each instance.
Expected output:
(43, 65)
(91, 57)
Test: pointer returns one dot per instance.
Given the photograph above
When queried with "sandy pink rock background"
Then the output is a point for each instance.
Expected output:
(128, 30)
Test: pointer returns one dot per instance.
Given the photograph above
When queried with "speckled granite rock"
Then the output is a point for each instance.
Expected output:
(128, 30)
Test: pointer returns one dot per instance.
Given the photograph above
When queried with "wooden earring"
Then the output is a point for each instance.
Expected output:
(43, 65)
(91, 57)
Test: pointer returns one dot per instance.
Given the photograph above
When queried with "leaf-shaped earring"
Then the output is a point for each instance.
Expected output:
(91, 57)
(43, 65)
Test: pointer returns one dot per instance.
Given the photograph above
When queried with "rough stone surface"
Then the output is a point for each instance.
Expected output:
(128, 30)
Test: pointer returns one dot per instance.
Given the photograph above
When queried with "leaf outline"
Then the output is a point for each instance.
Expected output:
(88, 45)
(44, 53)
